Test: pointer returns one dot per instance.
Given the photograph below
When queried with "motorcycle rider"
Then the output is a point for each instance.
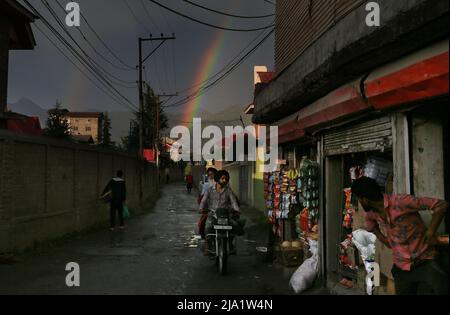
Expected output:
(220, 196)
(207, 184)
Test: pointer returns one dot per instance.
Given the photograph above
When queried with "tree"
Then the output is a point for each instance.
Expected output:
(57, 125)
(131, 142)
(105, 140)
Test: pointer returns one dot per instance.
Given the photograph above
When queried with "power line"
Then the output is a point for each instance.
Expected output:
(91, 69)
(208, 24)
(94, 49)
(135, 16)
(149, 15)
(146, 77)
(229, 14)
(80, 58)
(114, 98)
(174, 66)
(165, 69)
(104, 43)
(230, 63)
(158, 76)
(205, 88)
(61, 24)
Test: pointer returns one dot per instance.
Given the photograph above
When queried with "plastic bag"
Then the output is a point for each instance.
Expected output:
(126, 212)
(307, 273)
(365, 243)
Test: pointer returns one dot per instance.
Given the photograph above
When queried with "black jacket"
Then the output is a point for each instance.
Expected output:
(118, 190)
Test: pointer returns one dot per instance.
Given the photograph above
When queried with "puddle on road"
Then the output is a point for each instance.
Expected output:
(193, 241)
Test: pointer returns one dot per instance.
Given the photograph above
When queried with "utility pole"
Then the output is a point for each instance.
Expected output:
(157, 132)
(162, 40)
(158, 105)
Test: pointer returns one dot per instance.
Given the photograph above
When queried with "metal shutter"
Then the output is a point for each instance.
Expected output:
(374, 135)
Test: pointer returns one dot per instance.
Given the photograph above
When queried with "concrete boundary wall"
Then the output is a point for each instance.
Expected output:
(49, 189)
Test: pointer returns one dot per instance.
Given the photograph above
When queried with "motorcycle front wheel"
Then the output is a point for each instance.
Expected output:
(223, 256)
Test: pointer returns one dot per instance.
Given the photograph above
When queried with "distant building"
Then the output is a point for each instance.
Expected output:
(86, 124)
(15, 33)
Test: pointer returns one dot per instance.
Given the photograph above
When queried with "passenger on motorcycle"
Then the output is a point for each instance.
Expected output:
(220, 196)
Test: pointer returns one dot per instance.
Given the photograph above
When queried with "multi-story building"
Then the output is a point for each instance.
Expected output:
(85, 124)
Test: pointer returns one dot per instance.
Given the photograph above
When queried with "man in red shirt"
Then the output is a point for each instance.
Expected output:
(413, 244)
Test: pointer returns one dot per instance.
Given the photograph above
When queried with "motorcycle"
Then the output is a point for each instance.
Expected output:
(221, 242)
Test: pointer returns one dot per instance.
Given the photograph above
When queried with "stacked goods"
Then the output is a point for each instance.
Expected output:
(308, 189)
(349, 211)
(378, 169)
(287, 192)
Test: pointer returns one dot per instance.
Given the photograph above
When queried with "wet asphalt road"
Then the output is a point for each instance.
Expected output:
(154, 255)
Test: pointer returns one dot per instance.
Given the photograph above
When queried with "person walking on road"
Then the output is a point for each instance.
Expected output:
(117, 192)
(189, 182)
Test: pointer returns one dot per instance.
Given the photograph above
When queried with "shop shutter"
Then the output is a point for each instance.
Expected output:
(374, 135)
(243, 183)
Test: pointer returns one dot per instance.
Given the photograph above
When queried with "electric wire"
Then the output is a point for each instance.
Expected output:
(94, 49)
(135, 16)
(228, 14)
(61, 24)
(211, 25)
(98, 75)
(114, 98)
(207, 87)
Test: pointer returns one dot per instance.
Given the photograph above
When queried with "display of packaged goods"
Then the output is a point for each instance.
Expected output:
(378, 169)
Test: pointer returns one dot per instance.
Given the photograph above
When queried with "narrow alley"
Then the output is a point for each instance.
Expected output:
(156, 254)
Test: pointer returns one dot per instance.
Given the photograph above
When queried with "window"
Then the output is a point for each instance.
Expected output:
(88, 128)
(75, 128)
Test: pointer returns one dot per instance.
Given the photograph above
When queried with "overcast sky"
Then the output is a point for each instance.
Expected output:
(44, 75)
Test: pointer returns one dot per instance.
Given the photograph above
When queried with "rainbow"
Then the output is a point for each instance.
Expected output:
(206, 70)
